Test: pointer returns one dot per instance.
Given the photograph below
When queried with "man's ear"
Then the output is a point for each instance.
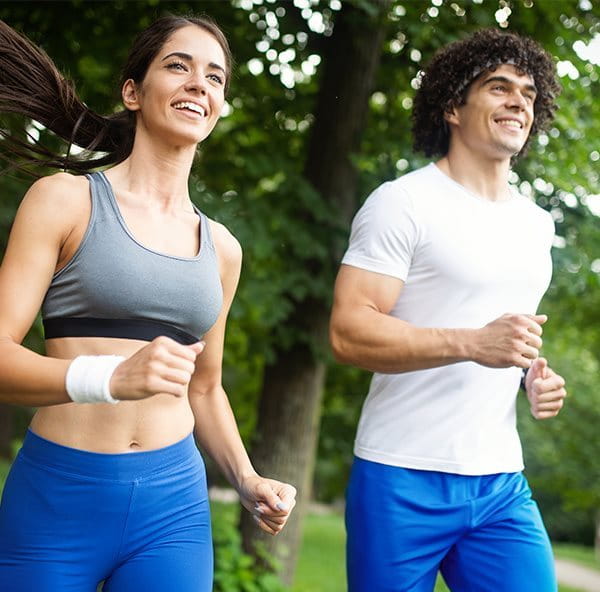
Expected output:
(130, 95)
(451, 115)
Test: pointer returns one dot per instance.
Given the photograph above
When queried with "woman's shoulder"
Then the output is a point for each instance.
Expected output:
(60, 189)
(60, 200)
(226, 245)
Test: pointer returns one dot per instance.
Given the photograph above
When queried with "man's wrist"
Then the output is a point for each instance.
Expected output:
(461, 344)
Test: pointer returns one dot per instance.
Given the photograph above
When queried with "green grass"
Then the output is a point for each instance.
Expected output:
(4, 467)
(321, 562)
(321, 565)
(577, 553)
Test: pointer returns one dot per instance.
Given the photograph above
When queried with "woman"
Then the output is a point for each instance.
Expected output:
(135, 285)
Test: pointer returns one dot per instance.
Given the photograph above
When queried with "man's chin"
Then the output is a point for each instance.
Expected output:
(509, 150)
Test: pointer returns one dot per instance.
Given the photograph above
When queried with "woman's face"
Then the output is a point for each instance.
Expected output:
(182, 94)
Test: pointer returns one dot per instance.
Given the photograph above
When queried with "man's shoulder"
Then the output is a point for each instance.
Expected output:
(530, 207)
(409, 185)
(415, 179)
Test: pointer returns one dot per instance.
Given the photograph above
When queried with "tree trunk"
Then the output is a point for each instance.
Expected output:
(285, 442)
(6, 430)
(290, 405)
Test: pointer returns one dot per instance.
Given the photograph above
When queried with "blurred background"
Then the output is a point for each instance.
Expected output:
(317, 116)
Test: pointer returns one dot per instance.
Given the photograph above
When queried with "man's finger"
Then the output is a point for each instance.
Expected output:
(538, 369)
(554, 395)
(540, 319)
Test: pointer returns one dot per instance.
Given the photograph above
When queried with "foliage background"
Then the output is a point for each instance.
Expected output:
(249, 176)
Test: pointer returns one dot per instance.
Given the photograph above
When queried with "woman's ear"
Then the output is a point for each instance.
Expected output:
(130, 95)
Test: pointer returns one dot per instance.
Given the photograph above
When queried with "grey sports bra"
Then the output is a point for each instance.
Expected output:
(114, 286)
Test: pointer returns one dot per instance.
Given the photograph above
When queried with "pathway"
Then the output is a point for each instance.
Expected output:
(577, 576)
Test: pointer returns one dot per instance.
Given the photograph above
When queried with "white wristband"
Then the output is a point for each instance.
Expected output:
(88, 378)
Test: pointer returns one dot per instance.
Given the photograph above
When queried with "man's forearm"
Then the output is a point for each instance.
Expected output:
(367, 338)
(382, 343)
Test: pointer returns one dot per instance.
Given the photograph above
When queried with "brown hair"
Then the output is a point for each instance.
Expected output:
(32, 86)
(446, 81)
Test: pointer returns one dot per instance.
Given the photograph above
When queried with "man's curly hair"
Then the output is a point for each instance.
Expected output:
(446, 80)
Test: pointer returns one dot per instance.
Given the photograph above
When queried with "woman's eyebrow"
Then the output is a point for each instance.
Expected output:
(179, 54)
(189, 58)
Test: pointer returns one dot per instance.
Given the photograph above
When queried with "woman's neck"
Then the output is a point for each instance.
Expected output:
(160, 173)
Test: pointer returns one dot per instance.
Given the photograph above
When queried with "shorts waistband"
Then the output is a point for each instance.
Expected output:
(127, 466)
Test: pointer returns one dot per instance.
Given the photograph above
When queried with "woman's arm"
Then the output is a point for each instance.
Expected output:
(46, 218)
(216, 429)
(47, 231)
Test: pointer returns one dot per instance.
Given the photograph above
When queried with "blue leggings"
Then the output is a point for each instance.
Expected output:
(140, 521)
(484, 533)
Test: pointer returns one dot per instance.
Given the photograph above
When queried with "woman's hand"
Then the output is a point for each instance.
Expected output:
(163, 366)
(269, 501)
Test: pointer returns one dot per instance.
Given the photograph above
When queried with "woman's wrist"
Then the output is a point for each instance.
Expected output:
(88, 379)
(240, 478)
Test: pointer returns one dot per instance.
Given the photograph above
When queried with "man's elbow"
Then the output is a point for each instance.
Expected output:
(340, 346)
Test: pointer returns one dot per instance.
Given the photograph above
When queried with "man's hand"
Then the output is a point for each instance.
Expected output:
(545, 390)
(510, 340)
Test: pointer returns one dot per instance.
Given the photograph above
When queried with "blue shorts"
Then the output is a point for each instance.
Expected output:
(140, 521)
(484, 533)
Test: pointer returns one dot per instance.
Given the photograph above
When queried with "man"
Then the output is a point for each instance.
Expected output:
(437, 294)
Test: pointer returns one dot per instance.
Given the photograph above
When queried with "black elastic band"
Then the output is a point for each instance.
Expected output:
(145, 330)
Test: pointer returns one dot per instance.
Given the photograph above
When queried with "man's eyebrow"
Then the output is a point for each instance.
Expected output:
(188, 58)
(503, 79)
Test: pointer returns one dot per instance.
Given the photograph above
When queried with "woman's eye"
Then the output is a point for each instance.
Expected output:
(177, 66)
(216, 78)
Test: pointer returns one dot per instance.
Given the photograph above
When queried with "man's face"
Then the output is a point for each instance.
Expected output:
(497, 115)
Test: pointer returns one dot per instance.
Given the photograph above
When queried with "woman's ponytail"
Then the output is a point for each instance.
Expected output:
(31, 85)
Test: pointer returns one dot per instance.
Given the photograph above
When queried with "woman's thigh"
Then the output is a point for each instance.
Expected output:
(57, 532)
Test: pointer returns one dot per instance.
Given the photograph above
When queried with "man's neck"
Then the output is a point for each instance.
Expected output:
(485, 177)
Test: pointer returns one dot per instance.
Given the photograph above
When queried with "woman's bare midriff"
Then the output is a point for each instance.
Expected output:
(128, 426)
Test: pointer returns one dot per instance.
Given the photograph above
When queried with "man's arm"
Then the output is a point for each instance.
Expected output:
(364, 334)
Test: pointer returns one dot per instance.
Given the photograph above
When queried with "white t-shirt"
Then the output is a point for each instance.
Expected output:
(465, 261)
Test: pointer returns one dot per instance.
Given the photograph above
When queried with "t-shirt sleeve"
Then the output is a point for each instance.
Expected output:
(384, 233)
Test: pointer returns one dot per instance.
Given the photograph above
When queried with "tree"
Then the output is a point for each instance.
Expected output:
(286, 436)
(416, 30)
(264, 173)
